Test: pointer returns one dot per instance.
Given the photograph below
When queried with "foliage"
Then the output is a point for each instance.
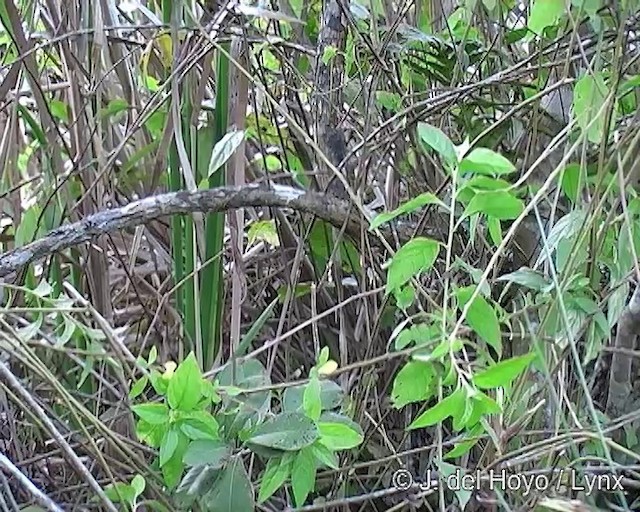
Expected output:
(457, 310)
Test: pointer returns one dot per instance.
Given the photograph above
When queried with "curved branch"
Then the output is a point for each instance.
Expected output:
(326, 207)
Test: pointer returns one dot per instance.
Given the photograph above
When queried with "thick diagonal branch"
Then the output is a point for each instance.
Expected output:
(326, 207)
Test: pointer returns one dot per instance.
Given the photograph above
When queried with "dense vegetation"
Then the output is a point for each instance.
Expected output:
(319, 255)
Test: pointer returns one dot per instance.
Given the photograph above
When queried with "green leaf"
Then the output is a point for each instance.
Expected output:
(499, 204)
(481, 317)
(338, 432)
(207, 451)
(405, 296)
(416, 256)
(545, 13)
(59, 110)
(199, 425)
(324, 455)
(173, 468)
(331, 395)
(114, 107)
(223, 150)
(328, 54)
(452, 405)
(570, 181)
(406, 208)
(138, 387)
(389, 100)
(289, 431)
(154, 414)
(486, 161)
(168, 446)
(232, 491)
(28, 229)
(263, 230)
(503, 373)
(138, 484)
(323, 357)
(312, 401)
(185, 388)
(120, 492)
(495, 230)
(439, 142)
(524, 276)
(412, 384)
(303, 475)
(275, 475)
(419, 334)
(197, 482)
(589, 94)
(461, 449)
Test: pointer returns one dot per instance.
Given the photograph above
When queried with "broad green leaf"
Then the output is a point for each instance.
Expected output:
(303, 475)
(29, 227)
(138, 484)
(495, 230)
(389, 100)
(265, 231)
(436, 139)
(405, 296)
(570, 181)
(168, 445)
(565, 228)
(419, 334)
(486, 161)
(503, 373)
(312, 400)
(153, 355)
(406, 208)
(114, 107)
(478, 183)
(138, 387)
(324, 455)
(479, 405)
(338, 432)
(331, 395)
(323, 357)
(328, 54)
(275, 475)
(232, 491)
(526, 277)
(154, 414)
(499, 204)
(119, 493)
(589, 94)
(545, 13)
(59, 109)
(413, 258)
(197, 482)
(461, 449)
(223, 150)
(481, 317)
(185, 387)
(289, 431)
(444, 347)
(199, 425)
(412, 384)
(452, 405)
(207, 451)
(173, 468)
